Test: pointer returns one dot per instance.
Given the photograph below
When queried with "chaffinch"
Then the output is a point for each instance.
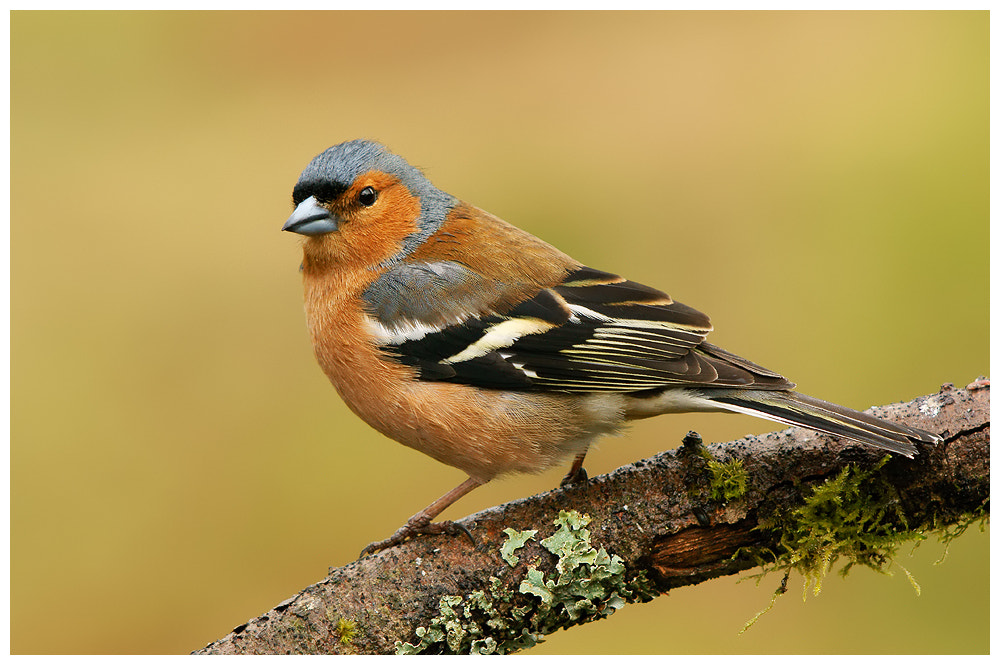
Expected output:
(470, 340)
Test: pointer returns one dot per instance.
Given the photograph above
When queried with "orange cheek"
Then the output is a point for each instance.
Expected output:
(377, 233)
(368, 236)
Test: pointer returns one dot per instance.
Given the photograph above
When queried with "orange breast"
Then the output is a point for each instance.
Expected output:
(483, 432)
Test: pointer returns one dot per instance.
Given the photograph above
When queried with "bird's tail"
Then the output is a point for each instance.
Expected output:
(792, 408)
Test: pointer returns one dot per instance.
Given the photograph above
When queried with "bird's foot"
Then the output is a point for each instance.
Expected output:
(418, 525)
(576, 476)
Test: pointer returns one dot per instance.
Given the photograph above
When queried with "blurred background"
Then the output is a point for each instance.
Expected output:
(816, 182)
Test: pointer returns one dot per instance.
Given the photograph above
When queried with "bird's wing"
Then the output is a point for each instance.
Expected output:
(592, 332)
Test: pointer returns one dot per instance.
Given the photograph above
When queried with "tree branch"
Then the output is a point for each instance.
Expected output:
(675, 519)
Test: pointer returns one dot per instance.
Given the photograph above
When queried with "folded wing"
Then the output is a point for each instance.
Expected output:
(593, 332)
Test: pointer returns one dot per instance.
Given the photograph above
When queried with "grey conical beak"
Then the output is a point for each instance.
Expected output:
(311, 219)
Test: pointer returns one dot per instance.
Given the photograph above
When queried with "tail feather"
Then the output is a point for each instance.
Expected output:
(792, 408)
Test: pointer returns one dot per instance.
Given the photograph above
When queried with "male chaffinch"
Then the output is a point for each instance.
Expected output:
(470, 340)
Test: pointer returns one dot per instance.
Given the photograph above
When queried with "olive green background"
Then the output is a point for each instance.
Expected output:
(817, 182)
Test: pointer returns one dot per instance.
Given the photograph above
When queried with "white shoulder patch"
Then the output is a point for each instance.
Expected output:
(407, 331)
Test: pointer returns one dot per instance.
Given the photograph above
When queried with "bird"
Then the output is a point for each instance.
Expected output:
(468, 339)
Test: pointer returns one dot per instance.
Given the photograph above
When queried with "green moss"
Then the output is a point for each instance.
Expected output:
(347, 630)
(778, 593)
(946, 535)
(855, 516)
(589, 584)
(729, 480)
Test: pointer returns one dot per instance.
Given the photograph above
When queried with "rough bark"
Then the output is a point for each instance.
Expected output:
(657, 515)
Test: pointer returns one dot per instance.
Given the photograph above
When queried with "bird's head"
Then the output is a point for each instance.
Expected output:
(357, 202)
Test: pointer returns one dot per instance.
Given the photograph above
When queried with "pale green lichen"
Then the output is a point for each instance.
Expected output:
(475, 624)
(590, 584)
(515, 541)
(588, 580)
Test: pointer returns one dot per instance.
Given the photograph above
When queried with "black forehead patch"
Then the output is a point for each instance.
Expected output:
(331, 172)
(324, 190)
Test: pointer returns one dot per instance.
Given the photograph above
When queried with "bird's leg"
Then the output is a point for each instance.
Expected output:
(421, 522)
(577, 474)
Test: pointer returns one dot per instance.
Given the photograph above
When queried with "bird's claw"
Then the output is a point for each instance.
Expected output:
(417, 528)
(454, 528)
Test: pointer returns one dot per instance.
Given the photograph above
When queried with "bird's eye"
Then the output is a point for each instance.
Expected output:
(368, 196)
